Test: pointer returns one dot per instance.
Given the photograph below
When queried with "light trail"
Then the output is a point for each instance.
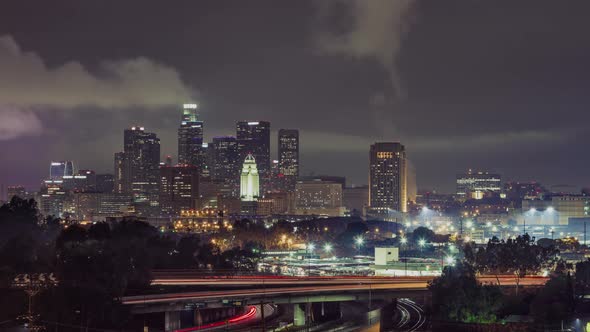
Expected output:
(235, 320)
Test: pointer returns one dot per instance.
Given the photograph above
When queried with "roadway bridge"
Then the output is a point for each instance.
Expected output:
(299, 292)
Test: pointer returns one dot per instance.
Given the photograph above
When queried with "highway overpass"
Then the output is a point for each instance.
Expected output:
(301, 292)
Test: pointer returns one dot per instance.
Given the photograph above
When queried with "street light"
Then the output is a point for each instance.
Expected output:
(450, 260)
(403, 240)
(327, 248)
(359, 242)
(421, 242)
(309, 248)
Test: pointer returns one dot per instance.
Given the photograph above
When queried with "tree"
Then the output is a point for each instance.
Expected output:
(555, 301)
(423, 233)
(458, 297)
(518, 257)
(582, 276)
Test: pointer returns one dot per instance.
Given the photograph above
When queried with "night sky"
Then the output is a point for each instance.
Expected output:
(498, 85)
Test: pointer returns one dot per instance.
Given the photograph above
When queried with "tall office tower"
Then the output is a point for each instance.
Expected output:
(190, 137)
(119, 178)
(141, 168)
(59, 169)
(254, 138)
(105, 183)
(387, 178)
(52, 198)
(289, 157)
(226, 162)
(249, 180)
(477, 184)
(179, 188)
(83, 181)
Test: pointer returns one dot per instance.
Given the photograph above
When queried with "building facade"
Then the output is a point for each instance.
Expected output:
(179, 189)
(137, 169)
(288, 165)
(59, 169)
(478, 184)
(318, 197)
(249, 180)
(254, 138)
(225, 165)
(387, 178)
(190, 138)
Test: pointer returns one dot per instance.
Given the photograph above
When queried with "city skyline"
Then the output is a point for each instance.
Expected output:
(524, 121)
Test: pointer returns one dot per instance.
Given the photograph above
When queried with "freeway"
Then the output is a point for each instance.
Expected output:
(252, 315)
(412, 316)
(195, 279)
(299, 287)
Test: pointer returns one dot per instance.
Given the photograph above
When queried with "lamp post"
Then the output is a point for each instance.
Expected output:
(308, 250)
(359, 242)
(421, 243)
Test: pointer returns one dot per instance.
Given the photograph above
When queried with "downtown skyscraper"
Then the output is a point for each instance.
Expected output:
(387, 178)
(179, 188)
(226, 162)
(254, 138)
(137, 168)
(190, 138)
(288, 158)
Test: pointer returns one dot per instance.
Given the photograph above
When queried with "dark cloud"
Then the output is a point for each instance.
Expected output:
(497, 85)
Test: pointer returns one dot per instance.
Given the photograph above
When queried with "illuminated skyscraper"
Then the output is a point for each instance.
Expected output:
(226, 163)
(179, 188)
(59, 169)
(254, 138)
(249, 180)
(137, 169)
(387, 178)
(190, 138)
(289, 157)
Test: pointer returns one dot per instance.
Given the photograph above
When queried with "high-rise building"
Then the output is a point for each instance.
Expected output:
(318, 197)
(355, 199)
(59, 169)
(477, 184)
(120, 169)
(105, 183)
(289, 157)
(84, 180)
(190, 138)
(226, 162)
(254, 138)
(249, 180)
(52, 198)
(140, 173)
(387, 178)
(179, 188)
(95, 206)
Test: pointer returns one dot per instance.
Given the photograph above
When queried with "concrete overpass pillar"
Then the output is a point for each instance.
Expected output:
(171, 320)
(299, 314)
